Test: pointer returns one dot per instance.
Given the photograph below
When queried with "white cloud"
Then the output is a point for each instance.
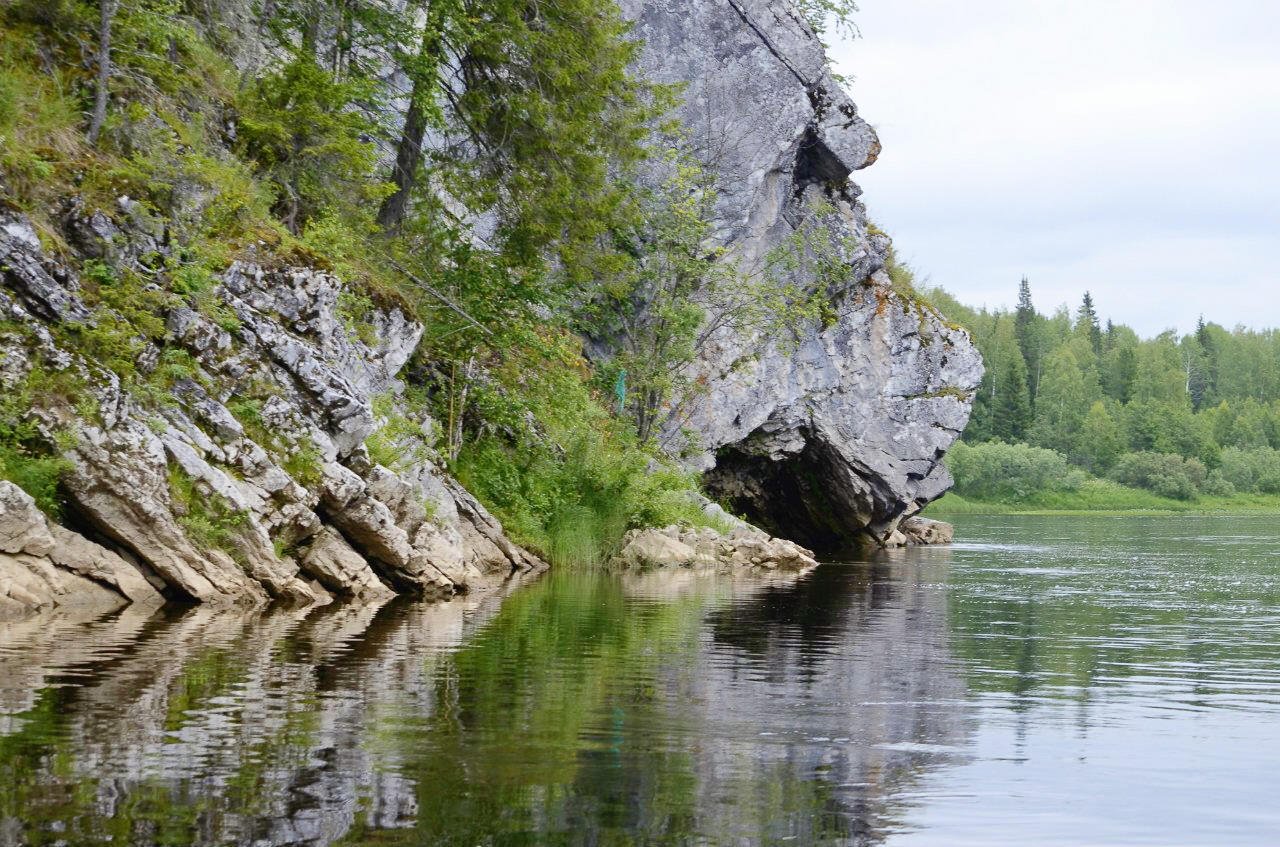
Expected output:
(1128, 147)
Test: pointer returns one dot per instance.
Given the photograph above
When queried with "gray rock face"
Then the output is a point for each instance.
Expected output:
(707, 548)
(43, 565)
(193, 503)
(841, 430)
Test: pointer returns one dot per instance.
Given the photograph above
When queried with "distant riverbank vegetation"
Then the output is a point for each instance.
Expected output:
(1077, 414)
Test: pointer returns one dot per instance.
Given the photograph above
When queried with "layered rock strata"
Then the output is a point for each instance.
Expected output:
(252, 479)
(249, 479)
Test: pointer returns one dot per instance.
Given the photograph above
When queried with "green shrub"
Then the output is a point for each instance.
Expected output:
(398, 442)
(573, 506)
(39, 121)
(1256, 470)
(999, 471)
(207, 519)
(1166, 474)
(304, 463)
(1217, 485)
(36, 474)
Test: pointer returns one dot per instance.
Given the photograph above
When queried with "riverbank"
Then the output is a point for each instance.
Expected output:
(1097, 495)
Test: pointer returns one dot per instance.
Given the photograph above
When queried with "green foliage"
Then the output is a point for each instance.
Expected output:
(27, 457)
(207, 519)
(1100, 394)
(999, 471)
(1062, 403)
(823, 15)
(1011, 398)
(574, 507)
(400, 440)
(1092, 495)
(1165, 474)
(660, 301)
(38, 121)
(550, 100)
(36, 473)
(1101, 438)
(297, 126)
(565, 477)
(304, 463)
(1255, 470)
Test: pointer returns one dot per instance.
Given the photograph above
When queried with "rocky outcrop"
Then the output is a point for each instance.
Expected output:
(226, 461)
(43, 565)
(916, 531)
(232, 467)
(838, 430)
(707, 548)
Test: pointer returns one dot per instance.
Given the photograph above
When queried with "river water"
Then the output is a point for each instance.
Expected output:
(1065, 680)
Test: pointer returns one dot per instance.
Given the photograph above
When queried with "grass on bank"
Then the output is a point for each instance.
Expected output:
(1101, 495)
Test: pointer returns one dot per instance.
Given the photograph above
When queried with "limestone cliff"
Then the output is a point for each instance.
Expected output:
(841, 431)
(232, 464)
(184, 499)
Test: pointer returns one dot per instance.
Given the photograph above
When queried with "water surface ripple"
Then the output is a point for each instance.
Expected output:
(1101, 681)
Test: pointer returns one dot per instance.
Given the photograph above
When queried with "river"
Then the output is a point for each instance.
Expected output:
(1047, 680)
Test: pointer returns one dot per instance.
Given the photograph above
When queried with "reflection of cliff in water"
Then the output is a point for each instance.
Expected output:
(854, 660)
(214, 726)
(668, 706)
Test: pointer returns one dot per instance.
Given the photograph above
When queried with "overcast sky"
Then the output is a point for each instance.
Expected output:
(1127, 147)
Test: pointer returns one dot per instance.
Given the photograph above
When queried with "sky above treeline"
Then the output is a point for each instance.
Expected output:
(1126, 147)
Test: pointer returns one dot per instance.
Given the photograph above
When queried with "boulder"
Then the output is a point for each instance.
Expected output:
(742, 547)
(43, 565)
(654, 548)
(918, 531)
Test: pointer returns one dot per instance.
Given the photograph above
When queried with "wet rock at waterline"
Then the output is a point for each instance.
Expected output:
(743, 547)
(43, 565)
(917, 531)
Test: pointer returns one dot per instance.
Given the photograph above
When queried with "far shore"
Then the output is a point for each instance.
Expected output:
(1102, 497)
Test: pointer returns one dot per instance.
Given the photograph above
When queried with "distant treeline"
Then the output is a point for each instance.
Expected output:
(1177, 415)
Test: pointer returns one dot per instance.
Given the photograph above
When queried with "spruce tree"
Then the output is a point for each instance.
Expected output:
(1087, 321)
(1210, 357)
(1011, 405)
(1030, 338)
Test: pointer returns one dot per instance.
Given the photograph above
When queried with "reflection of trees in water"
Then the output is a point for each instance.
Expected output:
(1062, 610)
(589, 711)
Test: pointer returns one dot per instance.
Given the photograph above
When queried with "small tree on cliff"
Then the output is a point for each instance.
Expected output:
(825, 14)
